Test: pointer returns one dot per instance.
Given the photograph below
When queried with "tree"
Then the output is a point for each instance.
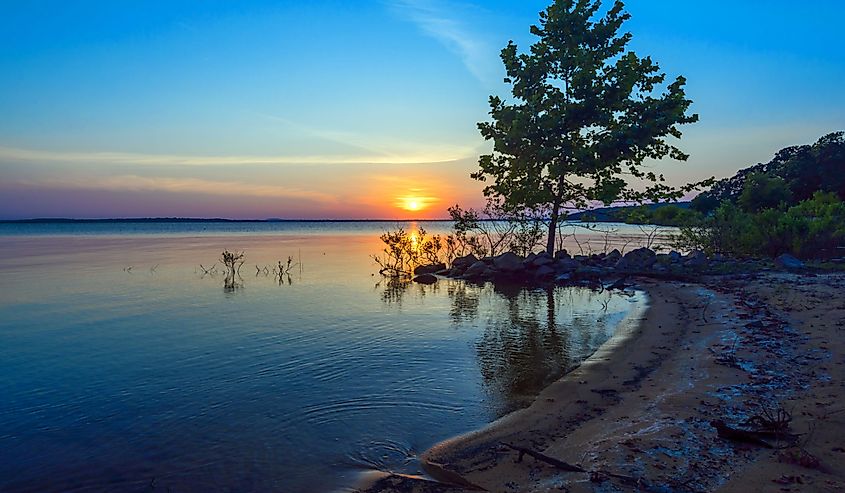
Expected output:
(762, 191)
(584, 115)
(806, 169)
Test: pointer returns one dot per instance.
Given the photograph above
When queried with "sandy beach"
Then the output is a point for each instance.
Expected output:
(755, 352)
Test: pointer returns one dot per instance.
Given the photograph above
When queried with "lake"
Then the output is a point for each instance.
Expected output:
(125, 366)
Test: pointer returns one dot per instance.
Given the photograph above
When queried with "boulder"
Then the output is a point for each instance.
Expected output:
(429, 269)
(662, 259)
(695, 259)
(617, 284)
(588, 272)
(563, 278)
(475, 270)
(508, 262)
(542, 259)
(426, 279)
(566, 265)
(562, 255)
(787, 261)
(544, 272)
(461, 264)
(529, 259)
(612, 257)
(675, 257)
(637, 260)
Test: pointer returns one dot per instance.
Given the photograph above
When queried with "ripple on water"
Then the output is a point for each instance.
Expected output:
(129, 382)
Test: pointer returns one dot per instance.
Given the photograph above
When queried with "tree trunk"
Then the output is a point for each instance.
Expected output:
(550, 243)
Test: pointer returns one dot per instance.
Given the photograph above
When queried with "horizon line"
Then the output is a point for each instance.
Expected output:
(199, 219)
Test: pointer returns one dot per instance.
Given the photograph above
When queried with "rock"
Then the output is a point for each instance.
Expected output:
(462, 263)
(562, 255)
(566, 265)
(542, 259)
(581, 258)
(787, 261)
(588, 272)
(637, 260)
(544, 272)
(426, 279)
(612, 257)
(695, 259)
(508, 262)
(429, 269)
(662, 259)
(530, 258)
(475, 270)
(618, 284)
(563, 278)
(675, 257)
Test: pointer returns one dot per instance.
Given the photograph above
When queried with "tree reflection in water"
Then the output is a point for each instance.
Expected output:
(531, 337)
(394, 288)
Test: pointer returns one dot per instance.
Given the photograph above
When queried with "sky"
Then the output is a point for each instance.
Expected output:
(344, 110)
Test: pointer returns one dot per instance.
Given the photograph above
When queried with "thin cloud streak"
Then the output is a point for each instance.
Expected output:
(477, 55)
(134, 183)
(19, 154)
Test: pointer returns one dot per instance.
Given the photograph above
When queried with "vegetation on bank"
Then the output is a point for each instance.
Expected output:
(584, 116)
(792, 204)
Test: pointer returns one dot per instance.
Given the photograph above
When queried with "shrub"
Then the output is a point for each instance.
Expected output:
(814, 228)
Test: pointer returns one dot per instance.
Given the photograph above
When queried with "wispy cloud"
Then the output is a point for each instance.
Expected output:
(441, 155)
(441, 21)
(134, 183)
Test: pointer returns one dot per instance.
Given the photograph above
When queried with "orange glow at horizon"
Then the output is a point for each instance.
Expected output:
(414, 203)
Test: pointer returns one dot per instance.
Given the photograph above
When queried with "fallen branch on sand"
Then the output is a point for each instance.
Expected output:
(595, 476)
(543, 458)
(443, 475)
(753, 437)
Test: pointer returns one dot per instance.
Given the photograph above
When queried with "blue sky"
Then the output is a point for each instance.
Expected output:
(341, 109)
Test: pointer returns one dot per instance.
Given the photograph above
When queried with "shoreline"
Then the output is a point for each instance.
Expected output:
(638, 412)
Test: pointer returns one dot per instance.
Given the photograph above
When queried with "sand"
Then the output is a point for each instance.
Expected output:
(637, 415)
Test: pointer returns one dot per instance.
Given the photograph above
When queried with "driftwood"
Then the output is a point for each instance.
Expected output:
(543, 458)
(737, 435)
(595, 476)
(443, 475)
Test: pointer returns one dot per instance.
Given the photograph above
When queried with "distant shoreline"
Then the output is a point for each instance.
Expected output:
(599, 215)
(154, 220)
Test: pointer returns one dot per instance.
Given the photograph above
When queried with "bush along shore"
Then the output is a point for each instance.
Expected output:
(603, 270)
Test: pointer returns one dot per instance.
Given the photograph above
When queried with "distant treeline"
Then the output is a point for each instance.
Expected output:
(792, 204)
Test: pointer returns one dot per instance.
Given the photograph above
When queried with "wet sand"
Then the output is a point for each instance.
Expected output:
(637, 415)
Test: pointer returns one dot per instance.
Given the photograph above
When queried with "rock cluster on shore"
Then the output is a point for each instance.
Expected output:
(563, 268)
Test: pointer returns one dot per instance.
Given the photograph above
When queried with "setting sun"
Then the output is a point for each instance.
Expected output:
(414, 203)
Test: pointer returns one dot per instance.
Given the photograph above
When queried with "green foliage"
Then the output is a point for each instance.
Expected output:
(663, 215)
(762, 192)
(584, 113)
(813, 228)
(705, 203)
(804, 169)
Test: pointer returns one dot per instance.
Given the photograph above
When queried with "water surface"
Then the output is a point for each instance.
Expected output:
(123, 366)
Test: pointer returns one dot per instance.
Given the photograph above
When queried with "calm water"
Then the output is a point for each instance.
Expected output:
(124, 367)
